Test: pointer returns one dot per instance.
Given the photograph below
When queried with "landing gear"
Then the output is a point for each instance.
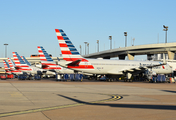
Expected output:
(128, 78)
(110, 80)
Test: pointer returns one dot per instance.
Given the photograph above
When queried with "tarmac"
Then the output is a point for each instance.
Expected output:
(48, 99)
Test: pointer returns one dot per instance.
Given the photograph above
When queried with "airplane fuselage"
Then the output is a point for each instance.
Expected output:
(116, 67)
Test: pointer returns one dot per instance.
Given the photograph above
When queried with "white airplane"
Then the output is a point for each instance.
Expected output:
(12, 68)
(164, 69)
(110, 68)
(48, 63)
(24, 67)
(7, 67)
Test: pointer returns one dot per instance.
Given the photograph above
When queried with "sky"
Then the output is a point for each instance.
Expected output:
(26, 24)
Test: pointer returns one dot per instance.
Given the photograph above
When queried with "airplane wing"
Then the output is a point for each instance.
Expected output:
(142, 67)
(133, 69)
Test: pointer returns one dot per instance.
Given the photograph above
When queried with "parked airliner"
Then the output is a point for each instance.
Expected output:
(22, 66)
(98, 66)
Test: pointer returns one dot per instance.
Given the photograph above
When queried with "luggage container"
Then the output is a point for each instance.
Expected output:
(72, 77)
(66, 77)
(161, 78)
(78, 77)
(37, 77)
(22, 77)
(154, 79)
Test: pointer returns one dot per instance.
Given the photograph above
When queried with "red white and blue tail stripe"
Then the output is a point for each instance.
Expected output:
(12, 67)
(11, 64)
(20, 64)
(7, 67)
(68, 50)
(46, 61)
(70, 53)
(25, 60)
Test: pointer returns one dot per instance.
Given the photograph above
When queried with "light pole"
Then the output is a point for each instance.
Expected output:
(125, 34)
(88, 48)
(110, 38)
(97, 45)
(85, 47)
(133, 41)
(80, 49)
(5, 49)
(166, 29)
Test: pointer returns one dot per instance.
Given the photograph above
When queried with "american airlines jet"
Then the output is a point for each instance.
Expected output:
(48, 63)
(22, 66)
(12, 67)
(6, 67)
(106, 67)
(25, 60)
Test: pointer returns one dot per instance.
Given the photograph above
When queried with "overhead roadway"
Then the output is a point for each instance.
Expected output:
(131, 51)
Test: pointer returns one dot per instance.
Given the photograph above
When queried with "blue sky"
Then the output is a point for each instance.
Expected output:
(26, 24)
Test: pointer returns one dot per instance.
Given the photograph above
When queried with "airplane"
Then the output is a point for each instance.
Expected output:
(6, 67)
(164, 69)
(48, 63)
(25, 60)
(12, 68)
(22, 66)
(108, 67)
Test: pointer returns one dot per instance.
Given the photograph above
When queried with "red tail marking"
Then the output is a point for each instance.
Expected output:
(66, 52)
(60, 38)
(63, 45)
(57, 30)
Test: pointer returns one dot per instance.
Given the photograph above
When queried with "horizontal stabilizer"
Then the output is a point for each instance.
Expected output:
(75, 63)
(44, 66)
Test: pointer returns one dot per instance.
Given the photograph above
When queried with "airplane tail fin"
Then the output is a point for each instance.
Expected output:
(68, 50)
(25, 60)
(44, 56)
(17, 59)
(11, 63)
(12, 67)
(70, 53)
(46, 61)
(7, 67)
(20, 64)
